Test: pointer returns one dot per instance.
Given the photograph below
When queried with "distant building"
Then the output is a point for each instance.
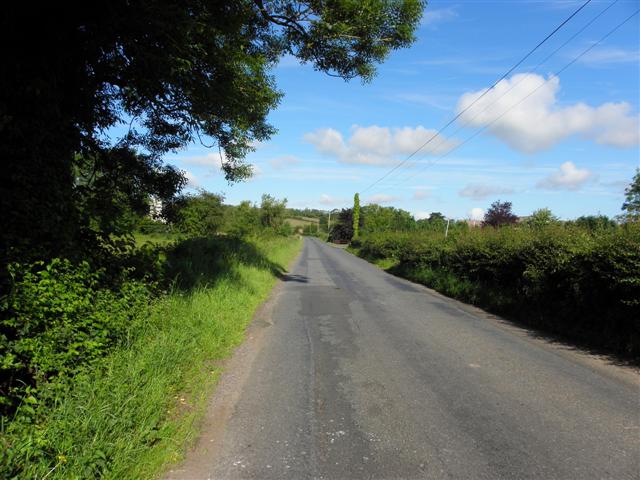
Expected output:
(155, 209)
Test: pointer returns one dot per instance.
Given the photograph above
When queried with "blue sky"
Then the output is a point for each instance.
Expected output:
(571, 145)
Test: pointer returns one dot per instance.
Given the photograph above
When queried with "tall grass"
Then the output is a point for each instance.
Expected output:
(137, 409)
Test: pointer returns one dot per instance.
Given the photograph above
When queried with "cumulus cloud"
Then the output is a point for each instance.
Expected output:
(285, 161)
(382, 198)
(478, 191)
(209, 160)
(331, 201)
(421, 215)
(476, 214)
(608, 56)
(192, 180)
(540, 122)
(568, 177)
(374, 145)
(327, 140)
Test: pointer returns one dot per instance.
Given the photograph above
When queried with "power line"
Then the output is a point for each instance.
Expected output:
(514, 85)
(490, 88)
(574, 60)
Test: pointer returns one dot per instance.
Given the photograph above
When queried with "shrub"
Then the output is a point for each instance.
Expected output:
(575, 281)
(57, 319)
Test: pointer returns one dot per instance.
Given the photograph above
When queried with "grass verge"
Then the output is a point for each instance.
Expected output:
(138, 409)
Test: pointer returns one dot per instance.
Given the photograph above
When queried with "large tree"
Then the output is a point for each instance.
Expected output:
(93, 91)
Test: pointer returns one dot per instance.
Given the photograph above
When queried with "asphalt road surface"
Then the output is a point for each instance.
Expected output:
(350, 372)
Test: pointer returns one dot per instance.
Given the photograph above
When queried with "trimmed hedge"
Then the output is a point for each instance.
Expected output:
(579, 283)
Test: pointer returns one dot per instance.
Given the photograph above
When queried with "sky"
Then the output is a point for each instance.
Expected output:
(567, 141)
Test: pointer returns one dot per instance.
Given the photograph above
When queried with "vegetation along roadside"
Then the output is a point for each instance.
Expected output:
(578, 280)
(105, 373)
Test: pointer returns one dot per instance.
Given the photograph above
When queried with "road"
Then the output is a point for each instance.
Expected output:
(350, 372)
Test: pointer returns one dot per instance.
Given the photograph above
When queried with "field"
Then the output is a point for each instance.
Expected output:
(301, 222)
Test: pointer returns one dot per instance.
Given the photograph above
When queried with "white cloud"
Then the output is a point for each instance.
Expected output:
(327, 140)
(376, 145)
(285, 161)
(568, 177)
(478, 191)
(539, 122)
(421, 215)
(476, 214)
(192, 180)
(331, 201)
(382, 198)
(208, 160)
(610, 56)
(432, 17)
(256, 171)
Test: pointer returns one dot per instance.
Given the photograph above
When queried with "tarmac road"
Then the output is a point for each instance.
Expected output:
(350, 372)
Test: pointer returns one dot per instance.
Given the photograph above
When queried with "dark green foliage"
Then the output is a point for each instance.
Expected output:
(58, 318)
(200, 215)
(243, 220)
(376, 218)
(573, 281)
(356, 215)
(631, 205)
(147, 224)
(167, 74)
(436, 222)
(499, 214)
(89, 366)
(594, 223)
(272, 212)
(342, 229)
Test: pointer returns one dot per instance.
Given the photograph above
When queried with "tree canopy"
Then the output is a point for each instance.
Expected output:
(98, 91)
(499, 214)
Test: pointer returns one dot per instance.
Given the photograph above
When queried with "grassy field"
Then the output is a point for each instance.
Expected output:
(137, 411)
(302, 221)
(155, 238)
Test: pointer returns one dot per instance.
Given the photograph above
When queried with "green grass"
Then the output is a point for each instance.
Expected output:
(155, 238)
(139, 411)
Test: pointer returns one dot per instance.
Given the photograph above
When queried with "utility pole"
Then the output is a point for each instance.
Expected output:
(329, 219)
(446, 232)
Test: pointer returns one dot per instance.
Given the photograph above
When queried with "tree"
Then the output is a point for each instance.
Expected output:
(356, 215)
(376, 218)
(163, 74)
(243, 220)
(342, 230)
(595, 222)
(272, 211)
(436, 221)
(499, 214)
(631, 205)
(202, 215)
(541, 218)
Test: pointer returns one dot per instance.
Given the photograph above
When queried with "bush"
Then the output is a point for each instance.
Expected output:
(58, 319)
(578, 282)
